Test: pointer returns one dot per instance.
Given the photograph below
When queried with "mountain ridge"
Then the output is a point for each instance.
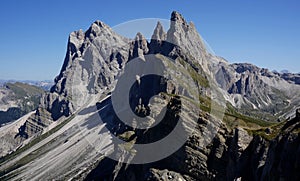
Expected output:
(82, 92)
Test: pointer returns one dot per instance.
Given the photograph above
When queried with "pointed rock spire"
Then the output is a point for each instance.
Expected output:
(179, 28)
(139, 47)
(178, 18)
(159, 33)
(187, 39)
(157, 39)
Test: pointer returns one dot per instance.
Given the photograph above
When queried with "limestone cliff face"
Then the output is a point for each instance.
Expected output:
(94, 61)
(96, 57)
(188, 39)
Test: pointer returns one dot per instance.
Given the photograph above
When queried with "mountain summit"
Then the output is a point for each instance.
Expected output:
(116, 102)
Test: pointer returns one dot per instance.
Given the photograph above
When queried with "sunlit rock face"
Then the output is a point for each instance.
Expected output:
(69, 141)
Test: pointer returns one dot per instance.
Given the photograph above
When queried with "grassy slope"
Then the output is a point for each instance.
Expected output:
(232, 116)
(22, 90)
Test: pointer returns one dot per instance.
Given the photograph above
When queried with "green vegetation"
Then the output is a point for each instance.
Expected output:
(26, 93)
(255, 124)
(232, 118)
(128, 146)
(127, 135)
(231, 111)
(22, 90)
(274, 131)
(196, 76)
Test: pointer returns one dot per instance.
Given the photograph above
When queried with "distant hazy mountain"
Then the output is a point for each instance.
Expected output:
(284, 71)
(45, 84)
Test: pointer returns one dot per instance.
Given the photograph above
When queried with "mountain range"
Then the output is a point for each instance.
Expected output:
(45, 84)
(239, 121)
(18, 99)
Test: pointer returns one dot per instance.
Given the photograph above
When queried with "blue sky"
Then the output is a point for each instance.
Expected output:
(34, 33)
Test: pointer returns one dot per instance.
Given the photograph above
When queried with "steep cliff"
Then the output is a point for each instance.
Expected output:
(77, 132)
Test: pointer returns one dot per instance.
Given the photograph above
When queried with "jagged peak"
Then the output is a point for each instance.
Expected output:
(100, 24)
(138, 47)
(178, 22)
(77, 34)
(96, 28)
(159, 27)
(77, 37)
(159, 33)
(140, 41)
(243, 67)
(139, 36)
(179, 26)
(177, 17)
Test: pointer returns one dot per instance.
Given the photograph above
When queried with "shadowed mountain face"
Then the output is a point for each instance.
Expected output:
(77, 132)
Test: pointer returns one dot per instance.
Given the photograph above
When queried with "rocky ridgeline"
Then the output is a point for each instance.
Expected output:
(257, 91)
(95, 59)
(232, 155)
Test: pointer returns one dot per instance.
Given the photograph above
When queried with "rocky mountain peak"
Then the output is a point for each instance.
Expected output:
(141, 42)
(139, 36)
(78, 42)
(186, 37)
(159, 33)
(82, 92)
(178, 22)
(98, 28)
(245, 67)
(100, 24)
(139, 47)
(77, 38)
(177, 17)
(158, 38)
(178, 28)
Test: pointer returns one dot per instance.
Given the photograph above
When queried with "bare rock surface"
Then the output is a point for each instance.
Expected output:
(73, 131)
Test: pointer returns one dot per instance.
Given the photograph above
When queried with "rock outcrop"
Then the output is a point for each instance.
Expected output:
(93, 60)
(215, 149)
(231, 156)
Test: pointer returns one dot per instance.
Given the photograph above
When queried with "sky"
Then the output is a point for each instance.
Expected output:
(34, 33)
